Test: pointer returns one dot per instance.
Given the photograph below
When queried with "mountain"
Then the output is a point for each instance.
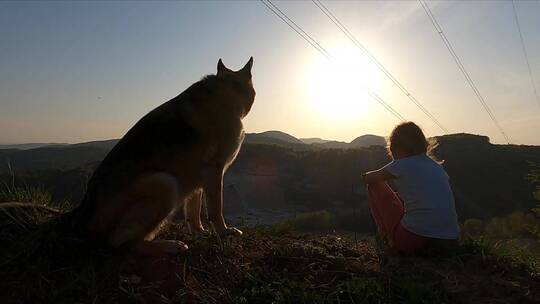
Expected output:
(488, 179)
(314, 140)
(24, 157)
(45, 156)
(332, 144)
(49, 158)
(30, 146)
(276, 138)
(54, 156)
(272, 173)
(359, 142)
(282, 136)
(100, 144)
(368, 140)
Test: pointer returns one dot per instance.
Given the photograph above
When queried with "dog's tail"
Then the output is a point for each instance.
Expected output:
(7, 206)
(72, 223)
(35, 227)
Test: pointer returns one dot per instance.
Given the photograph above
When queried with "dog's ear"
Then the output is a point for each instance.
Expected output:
(246, 70)
(222, 69)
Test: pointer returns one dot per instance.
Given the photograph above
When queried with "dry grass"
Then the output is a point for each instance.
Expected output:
(40, 265)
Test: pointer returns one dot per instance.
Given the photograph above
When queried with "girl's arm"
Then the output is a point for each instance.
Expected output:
(376, 176)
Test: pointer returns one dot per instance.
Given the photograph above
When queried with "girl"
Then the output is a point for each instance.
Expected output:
(427, 212)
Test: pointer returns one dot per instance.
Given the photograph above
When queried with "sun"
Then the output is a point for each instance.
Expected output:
(337, 88)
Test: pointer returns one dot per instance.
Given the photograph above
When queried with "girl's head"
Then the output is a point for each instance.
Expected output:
(407, 139)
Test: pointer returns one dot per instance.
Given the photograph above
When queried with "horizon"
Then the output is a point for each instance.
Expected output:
(70, 143)
(299, 138)
(85, 71)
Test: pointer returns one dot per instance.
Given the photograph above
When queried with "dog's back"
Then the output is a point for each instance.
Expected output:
(155, 134)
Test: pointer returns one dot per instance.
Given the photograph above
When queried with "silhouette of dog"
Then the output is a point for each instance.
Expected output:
(168, 159)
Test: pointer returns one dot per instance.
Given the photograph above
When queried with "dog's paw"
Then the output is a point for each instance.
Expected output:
(197, 230)
(231, 231)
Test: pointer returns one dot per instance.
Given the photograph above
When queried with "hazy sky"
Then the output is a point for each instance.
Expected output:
(79, 71)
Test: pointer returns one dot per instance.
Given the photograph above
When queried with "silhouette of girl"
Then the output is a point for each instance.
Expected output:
(422, 211)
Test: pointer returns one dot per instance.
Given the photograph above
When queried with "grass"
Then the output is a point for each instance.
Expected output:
(509, 250)
(39, 264)
(9, 192)
(309, 221)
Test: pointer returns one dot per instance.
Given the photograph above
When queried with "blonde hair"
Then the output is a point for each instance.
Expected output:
(409, 138)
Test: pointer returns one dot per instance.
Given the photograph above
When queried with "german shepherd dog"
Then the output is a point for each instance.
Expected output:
(168, 159)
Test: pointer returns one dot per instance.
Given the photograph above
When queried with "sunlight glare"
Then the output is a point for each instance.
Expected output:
(337, 88)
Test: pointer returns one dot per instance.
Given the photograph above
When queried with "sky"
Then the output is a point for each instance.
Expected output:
(81, 71)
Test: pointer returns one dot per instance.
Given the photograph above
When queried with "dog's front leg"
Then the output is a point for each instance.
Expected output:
(192, 212)
(213, 188)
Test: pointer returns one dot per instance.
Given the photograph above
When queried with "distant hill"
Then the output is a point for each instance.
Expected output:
(54, 156)
(282, 136)
(332, 144)
(488, 179)
(286, 140)
(49, 158)
(100, 144)
(276, 138)
(314, 140)
(368, 140)
(359, 142)
(71, 156)
(44, 156)
(281, 173)
(30, 146)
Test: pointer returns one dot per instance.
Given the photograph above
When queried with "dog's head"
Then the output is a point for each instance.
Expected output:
(239, 83)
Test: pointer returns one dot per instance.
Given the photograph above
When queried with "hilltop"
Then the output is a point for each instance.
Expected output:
(363, 141)
(279, 135)
(368, 140)
(283, 139)
(266, 265)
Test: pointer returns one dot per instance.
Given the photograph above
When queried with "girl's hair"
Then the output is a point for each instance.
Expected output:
(409, 138)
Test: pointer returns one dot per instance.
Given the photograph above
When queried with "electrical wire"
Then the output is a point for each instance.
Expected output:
(461, 67)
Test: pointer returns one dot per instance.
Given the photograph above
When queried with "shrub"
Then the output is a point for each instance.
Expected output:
(314, 221)
(472, 227)
(496, 228)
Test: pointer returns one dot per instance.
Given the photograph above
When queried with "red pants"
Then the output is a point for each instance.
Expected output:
(387, 210)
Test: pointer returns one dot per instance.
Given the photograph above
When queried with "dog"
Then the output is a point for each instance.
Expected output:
(169, 158)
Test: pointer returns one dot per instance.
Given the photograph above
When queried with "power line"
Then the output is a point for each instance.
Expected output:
(525, 53)
(381, 67)
(317, 46)
(299, 32)
(456, 58)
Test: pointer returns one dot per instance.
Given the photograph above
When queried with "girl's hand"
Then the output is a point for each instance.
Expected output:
(376, 176)
(364, 177)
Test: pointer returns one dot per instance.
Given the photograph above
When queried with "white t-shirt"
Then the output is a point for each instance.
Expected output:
(429, 203)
